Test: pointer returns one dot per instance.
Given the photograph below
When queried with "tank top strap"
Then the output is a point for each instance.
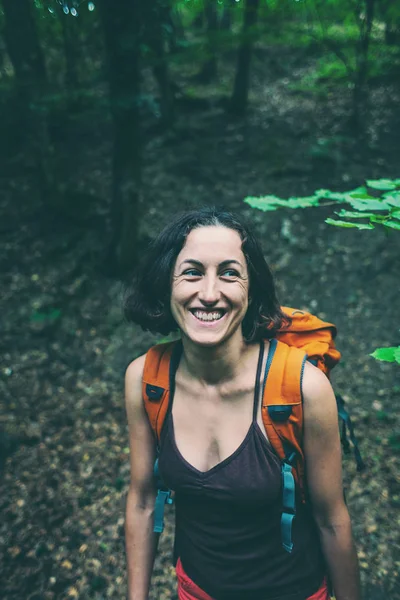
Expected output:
(257, 382)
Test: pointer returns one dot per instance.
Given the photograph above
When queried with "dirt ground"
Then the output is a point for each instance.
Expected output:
(65, 346)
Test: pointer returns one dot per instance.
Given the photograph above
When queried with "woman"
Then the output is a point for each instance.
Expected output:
(205, 276)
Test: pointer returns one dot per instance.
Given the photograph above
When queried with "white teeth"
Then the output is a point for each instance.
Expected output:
(207, 316)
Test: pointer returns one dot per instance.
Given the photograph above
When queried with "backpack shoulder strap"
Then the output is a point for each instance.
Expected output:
(282, 413)
(156, 397)
(282, 408)
(155, 385)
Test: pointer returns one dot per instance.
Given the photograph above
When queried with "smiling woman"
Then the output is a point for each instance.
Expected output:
(244, 530)
(209, 297)
(148, 300)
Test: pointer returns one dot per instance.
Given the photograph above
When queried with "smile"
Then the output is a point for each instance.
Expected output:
(208, 316)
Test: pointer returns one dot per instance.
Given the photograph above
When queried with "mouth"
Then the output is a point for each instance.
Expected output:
(208, 316)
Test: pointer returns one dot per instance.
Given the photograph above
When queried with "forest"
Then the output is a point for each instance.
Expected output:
(115, 115)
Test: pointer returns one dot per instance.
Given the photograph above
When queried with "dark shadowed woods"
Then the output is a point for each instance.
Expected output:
(114, 117)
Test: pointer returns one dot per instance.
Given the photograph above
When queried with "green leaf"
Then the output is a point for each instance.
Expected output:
(392, 224)
(303, 202)
(264, 203)
(391, 354)
(360, 204)
(348, 224)
(395, 214)
(379, 218)
(381, 184)
(359, 192)
(328, 195)
(393, 198)
(349, 214)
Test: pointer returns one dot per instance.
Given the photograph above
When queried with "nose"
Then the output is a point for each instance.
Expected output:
(209, 291)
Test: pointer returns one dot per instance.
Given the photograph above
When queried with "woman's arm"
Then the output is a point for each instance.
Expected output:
(141, 542)
(324, 479)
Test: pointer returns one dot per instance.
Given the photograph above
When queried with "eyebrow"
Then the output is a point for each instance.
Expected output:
(193, 261)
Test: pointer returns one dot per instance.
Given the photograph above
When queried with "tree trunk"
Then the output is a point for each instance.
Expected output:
(177, 37)
(23, 44)
(209, 71)
(199, 21)
(155, 16)
(241, 86)
(31, 84)
(3, 51)
(391, 18)
(361, 75)
(392, 34)
(71, 44)
(122, 28)
(227, 15)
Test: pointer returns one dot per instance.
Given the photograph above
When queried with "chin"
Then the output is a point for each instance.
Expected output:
(207, 340)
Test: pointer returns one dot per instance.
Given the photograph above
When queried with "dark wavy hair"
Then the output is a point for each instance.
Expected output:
(147, 299)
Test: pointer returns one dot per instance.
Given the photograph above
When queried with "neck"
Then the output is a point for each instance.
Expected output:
(215, 364)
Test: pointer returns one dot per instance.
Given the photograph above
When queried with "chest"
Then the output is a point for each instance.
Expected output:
(209, 426)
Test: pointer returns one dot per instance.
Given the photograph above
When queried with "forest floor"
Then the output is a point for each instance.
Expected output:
(65, 346)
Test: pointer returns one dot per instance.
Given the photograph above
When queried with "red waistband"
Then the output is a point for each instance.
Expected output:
(188, 590)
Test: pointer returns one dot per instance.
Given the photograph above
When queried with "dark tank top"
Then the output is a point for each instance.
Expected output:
(228, 533)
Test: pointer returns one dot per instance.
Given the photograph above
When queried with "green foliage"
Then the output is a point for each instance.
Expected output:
(266, 203)
(387, 354)
(339, 31)
(348, 224)
(330, 70)
(383, 184)
(377, 203)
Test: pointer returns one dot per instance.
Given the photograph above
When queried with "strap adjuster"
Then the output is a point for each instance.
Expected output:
(163, 498)
(288, 504)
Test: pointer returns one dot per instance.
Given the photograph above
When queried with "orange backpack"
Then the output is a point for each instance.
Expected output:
(307, 338)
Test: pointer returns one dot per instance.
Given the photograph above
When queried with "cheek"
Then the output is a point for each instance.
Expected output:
(173, 306)
(178, 288)
(243, 293)
(178, 293)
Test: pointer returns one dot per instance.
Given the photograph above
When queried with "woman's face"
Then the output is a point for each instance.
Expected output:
(210, 286)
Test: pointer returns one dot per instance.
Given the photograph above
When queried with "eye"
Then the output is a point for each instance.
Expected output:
(192, 273)
(230, 273)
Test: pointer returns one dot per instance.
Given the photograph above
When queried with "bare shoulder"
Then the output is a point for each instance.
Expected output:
(319, 398)
(141, 439)
(322, 446)
(133, 381)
